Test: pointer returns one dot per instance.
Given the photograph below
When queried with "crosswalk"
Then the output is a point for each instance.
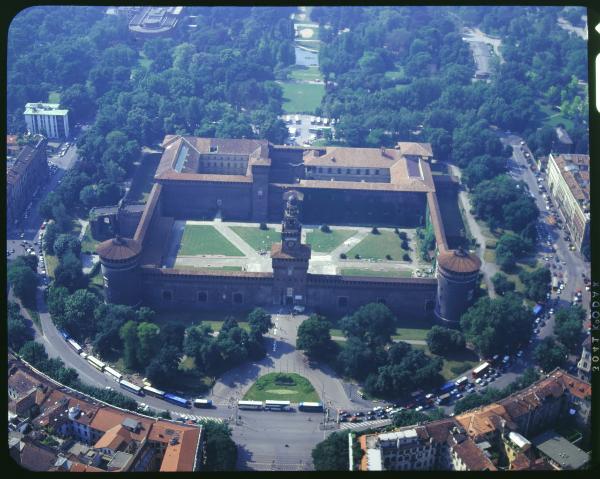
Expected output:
(199, 418)
(365, 424)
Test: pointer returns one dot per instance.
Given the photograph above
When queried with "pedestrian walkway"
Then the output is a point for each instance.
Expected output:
(365, 424)
(409, 341)
(198, 418)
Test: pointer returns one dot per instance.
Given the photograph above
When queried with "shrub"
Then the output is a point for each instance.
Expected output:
(374, 230)
(263, 226)
(357, 256)
(325, 229)
(406, 257)
(404, 245)
(388, 256)
(343, 255)
(403, 235)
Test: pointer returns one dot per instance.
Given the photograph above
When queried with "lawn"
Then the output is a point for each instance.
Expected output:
(217, 325)
(54, 97)
(302, 97)
(283, 387)
(88, 243)
(326, 242)
(371, 272)
(214, 318)
(301, 73)
(410, 334)
(51, 264)
(205, 240)
(258, 239)
(377, 246)
(143, 177)
(454, 363)
(179, 265)
(553, 118)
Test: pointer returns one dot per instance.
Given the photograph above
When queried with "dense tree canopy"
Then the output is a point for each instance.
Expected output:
(568, 326)
(332, 453)
(443, 340)
(549, 354)
(496, 326)
(314, 337)
(536, 282)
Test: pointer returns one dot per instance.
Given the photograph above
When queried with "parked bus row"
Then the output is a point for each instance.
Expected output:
(273, 405)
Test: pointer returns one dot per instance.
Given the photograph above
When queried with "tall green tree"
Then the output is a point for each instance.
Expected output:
(149, 342)
(332, 453)
(131, 344)
(314, 337)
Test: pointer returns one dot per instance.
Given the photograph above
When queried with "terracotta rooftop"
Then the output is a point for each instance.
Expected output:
(180, 455)
(22, 382)
(107, 418)
(459, 261)
(34, 457)
(473, 457)
(119, 249)
(574, 169)
(302, 252)
(78, 467)
(113, 438)
(335, 156)
(404, 184)
(414, 149)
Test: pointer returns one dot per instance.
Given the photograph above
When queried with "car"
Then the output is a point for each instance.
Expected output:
(520, 353)
(359, 414)
(478, 381)
(484, 382)
(536, 331)
(551, 311)
(343, 419)
(419, 408)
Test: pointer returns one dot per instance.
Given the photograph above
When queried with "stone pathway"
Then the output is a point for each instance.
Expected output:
(409, 341)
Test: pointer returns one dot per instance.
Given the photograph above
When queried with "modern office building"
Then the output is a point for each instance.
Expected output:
(47, 119)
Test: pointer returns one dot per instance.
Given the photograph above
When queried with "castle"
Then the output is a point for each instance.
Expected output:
(255, 181)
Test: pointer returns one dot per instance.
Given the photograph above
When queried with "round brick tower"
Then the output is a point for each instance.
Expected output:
(120, 258)
(457, 274)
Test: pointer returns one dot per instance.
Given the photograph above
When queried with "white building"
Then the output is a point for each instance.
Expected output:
(47, 119)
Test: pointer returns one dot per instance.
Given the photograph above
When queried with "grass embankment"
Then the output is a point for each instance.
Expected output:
(255, 237)
(377, 246)
(326, 242)
(372, 272)
(302, 73)
(283, 387)
(206, 240)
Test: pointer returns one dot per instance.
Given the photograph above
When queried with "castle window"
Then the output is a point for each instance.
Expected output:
(202, 296)
(376, 172)
(213, 149)
(167, 295)
(348, 171)
(342, 301)
(329, 170)
(367, 171)
(339, 170)
(320, 170)
(238, 298)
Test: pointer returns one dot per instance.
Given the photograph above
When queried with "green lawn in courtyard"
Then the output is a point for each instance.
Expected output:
(411, 334)
(326, 242)
(258, 239)
(301, 97)
(51, 264)
(206, 240)
(301, 73)
(217, 325)
(371, 272)
(377, 246)
(299, 389)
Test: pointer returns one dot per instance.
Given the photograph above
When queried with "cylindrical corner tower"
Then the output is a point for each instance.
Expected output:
(457, 275)
(119, 258)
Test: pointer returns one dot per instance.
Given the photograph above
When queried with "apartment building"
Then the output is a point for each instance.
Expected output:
(47, 119)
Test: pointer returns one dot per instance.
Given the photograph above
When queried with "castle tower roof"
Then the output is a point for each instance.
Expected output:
(459, 261)
(118, 249)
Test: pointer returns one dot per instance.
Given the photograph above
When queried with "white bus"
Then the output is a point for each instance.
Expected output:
(113, 373)
(479, 370)
(205, 403)
(83, 354)
(271, 405)
(153, 391)
(461, 382)
(76, 346)
(99, 365)
(131, 387)
(250, 404)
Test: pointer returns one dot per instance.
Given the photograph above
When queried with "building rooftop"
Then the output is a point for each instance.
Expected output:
(45, 109)
(561, 451)
(113, 438)
(119, 249)
(23, 160)
(473, 457)
(459, 261)
(575, 170)
(302, 252)
(180, 454)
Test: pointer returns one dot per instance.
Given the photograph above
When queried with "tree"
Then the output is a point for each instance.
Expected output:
(28, 260)
(19, 331)
(314, 337)
(373, 323)
(24, 283)
(409, 417)
(443, 340)
(221, 451)
(129, 336)
(79, 313)
(497, 325)
(66, 243)
(502, 284)
(69, 273)
(355, 359)
(197, 338)
(332, 453)
(172, 334)
(537, 283)
(163, 368)
(34, 353)
(549, 354)
(568, 326)
(149, 342)
(260, 320)
(50, 236)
